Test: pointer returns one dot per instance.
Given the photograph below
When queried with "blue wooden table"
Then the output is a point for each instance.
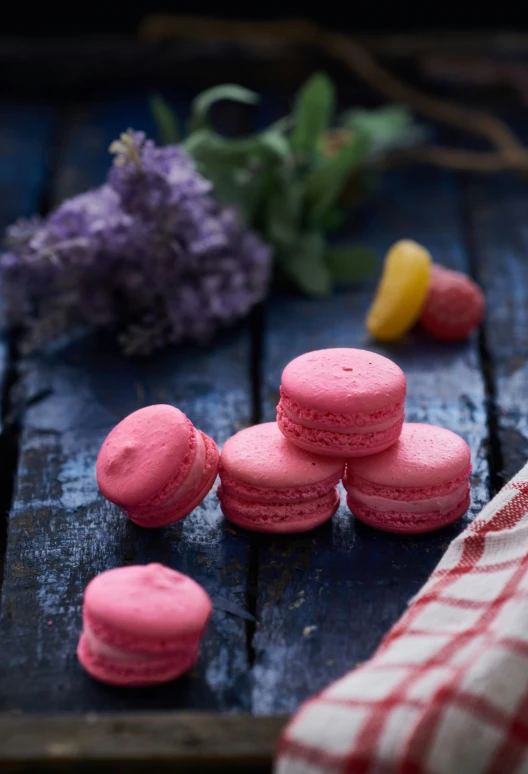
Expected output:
(291, 613)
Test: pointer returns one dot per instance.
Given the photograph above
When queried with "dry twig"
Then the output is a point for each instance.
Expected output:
(508, 151)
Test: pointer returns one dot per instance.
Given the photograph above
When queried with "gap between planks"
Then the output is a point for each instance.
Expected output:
(487, 366)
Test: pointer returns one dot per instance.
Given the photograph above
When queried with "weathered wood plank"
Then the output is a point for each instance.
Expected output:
(25, 134)
(169, 742)
(496, 221)
(325, 599)
(62, 532)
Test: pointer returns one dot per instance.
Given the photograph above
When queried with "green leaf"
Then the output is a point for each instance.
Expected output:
(165, 119)
(388, 128)
(283, 124)
(202, 104)
(283, 217)
(305, 265)
(245, 172)
(350, 263)
(314, 107)
(242, 151)
(234, 168)
(333, 219)
(275, 142)
(326, 182)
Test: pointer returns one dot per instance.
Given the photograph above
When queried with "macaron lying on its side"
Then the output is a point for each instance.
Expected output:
(270, 485)
(142, 625)
(342, 402)
(156, 466)
(420, 484)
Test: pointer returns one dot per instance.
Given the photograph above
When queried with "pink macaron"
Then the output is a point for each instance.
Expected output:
(420, 484)
(142, 625)
(342, 402)
(269, 485)
(156, 466)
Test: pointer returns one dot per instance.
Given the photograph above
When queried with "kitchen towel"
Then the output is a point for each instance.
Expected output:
(447, 690)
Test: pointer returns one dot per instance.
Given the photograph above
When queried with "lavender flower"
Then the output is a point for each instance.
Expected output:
(150, 254)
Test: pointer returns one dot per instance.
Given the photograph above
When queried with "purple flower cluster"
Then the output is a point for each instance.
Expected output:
(150, 254)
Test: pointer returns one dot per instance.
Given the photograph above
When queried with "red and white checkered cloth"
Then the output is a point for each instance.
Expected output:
(447, 690)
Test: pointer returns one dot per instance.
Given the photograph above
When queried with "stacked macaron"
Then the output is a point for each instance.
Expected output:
(342, 402)
(340, 416)
(271, 485)
(343, 409)
(419, 484)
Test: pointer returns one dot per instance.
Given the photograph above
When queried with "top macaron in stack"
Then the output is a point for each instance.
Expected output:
(342, 402)
(340, 416)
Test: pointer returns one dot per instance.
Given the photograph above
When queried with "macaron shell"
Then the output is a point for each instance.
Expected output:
(344, 380)
(144, 453)
(134, 675)
(423, 456)
(163, 516)
(150, 602)
(260, 456)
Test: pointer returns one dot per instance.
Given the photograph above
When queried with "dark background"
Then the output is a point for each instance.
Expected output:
(114, 18)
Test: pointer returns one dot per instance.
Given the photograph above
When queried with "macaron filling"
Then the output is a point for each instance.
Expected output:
(415, 523)
(442, 503)
(182, 499)
(175, 490)
(359, 422)
(377, 428)
(130, 669)
(335, 442)
(101, 647)
(244, 491)
(275, 512)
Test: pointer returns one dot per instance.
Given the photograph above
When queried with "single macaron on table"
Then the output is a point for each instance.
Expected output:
(142, 625)
(156, 466)
(342, 402)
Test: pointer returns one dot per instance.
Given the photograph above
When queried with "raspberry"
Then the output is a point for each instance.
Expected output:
(454, 305)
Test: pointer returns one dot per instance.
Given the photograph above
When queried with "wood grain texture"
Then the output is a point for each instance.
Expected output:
(496, 220)
(141, 742)
(25, 136)
(325, 599)
(62, 532)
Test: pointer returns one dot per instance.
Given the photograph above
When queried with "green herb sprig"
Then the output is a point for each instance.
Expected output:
(287, 180)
